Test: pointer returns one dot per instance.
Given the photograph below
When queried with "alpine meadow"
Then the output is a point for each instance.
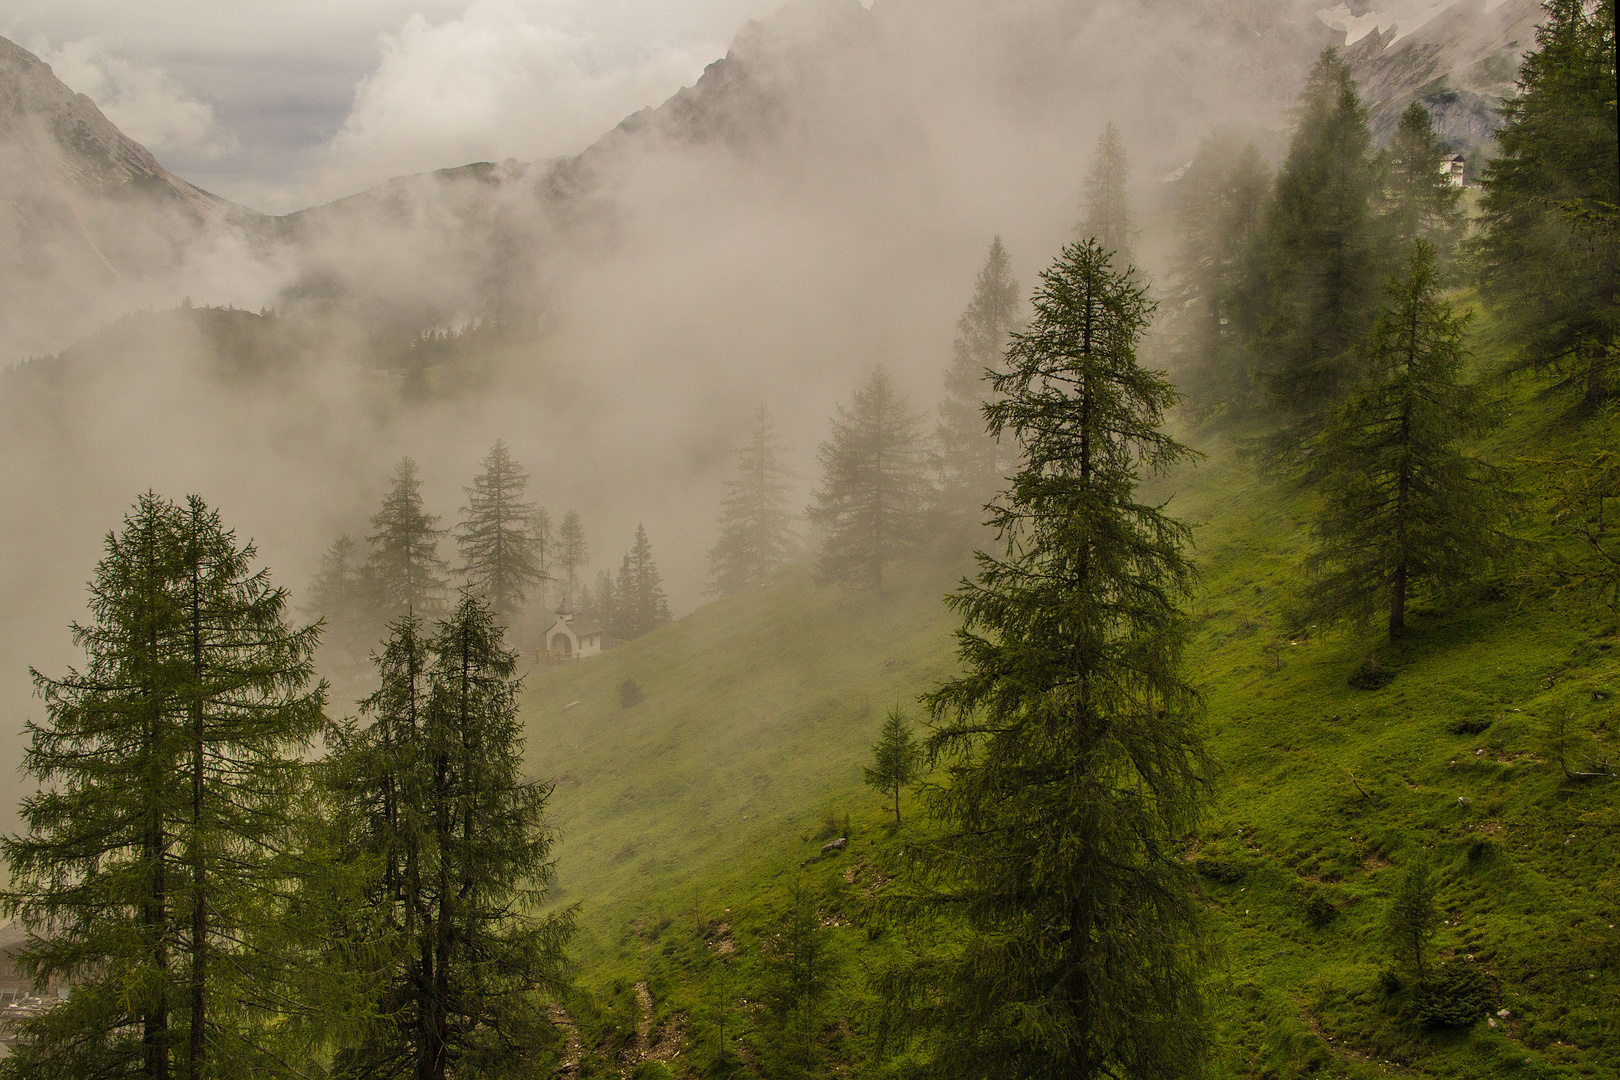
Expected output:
(800, 539)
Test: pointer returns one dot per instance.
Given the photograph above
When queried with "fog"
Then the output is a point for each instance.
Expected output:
(818, 203)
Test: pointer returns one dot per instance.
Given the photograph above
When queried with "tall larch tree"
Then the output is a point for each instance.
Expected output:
(874, 486)
(461, 848)
(1402, 504)
(1322, 249)
(1106, 206)
(406, 570)
(971, 464)
(1073, 770)
(572, 554)
(638, 596)
(1219, 290)
(1555, 284)
(756, 536)
(1421, 202)
(153, 865)
(500, 552)
(340, 596)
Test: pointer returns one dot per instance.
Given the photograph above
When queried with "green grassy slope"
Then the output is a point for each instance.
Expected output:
(687, 817)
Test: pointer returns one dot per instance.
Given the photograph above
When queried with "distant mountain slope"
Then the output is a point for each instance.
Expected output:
(1460, 63)
(86, 213)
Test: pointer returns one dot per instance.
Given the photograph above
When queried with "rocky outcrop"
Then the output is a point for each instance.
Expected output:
(1460, 63)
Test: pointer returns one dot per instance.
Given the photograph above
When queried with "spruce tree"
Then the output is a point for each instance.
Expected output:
(600, 605)
(1107, 207)
(340, 596)
(152, 868)
(572, 554)
(500, 552)
(894, 759)
(405, 567)
(1219, 293)
(873, 488)
(1422, 202)
(1557, 287)
(639, 602)
(1072, 768)
(755, 541)
(1410, 920)
(1322, 247)
(971, 463)
(1402, 505)
(460, 847)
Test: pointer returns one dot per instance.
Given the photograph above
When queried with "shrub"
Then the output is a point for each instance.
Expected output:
(1371, 675)
(1221, 868)
(1459, 995)
(1472, 725)
(630, 694)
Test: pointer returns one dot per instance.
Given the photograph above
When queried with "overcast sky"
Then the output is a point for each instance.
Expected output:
(282, 105)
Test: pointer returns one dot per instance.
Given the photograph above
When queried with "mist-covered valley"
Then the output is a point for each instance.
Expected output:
(813, 206)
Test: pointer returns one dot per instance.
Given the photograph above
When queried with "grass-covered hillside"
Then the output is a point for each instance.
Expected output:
(694, 818)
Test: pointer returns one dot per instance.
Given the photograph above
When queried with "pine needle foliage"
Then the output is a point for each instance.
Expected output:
(500, 550)
(1218, 297)
(970, 463)
(154, 867)
(1072, 766)
(1421, 202)
(572, 553)
(873, 490)
(1322, 240)
(1557, 286)
(1402, 504)
(1106, 205)
(461, 848)
(894, 759)
(639, 604)
(755, 526)
(405, 567)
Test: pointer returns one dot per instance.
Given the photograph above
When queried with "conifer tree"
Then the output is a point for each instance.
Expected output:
(873, 489)
(1107, 208)
(1219, 295)
(340, 595)
(406, 570)
(501, 553)
(970, 462)
(572, 554)
(1423, 203)
(545, 550)
(894, 759)
(460, 845)
(1558, 287)
(600, 605)
(754, 539)
(1072, 767)
(152, 865)
(1410, 919)
(639, 593)
(1402, 504)
(1321, 248)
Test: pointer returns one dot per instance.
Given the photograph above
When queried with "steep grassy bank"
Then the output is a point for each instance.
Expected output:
(693, 819)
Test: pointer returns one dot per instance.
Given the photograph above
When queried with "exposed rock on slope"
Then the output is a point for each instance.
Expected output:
(85, 211)
(1460, 63)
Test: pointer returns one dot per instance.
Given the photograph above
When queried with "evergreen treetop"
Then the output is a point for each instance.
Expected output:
(1107, 207)
(873, 487)
(572, 554)
(1422, 202)
(1402, 504)
(1322, 246)
(501, 553)
(970, 462)
(1072, 768)
(755, 540)
(1558, 286)
(404, 562)
(639, 600)
(153, 868)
